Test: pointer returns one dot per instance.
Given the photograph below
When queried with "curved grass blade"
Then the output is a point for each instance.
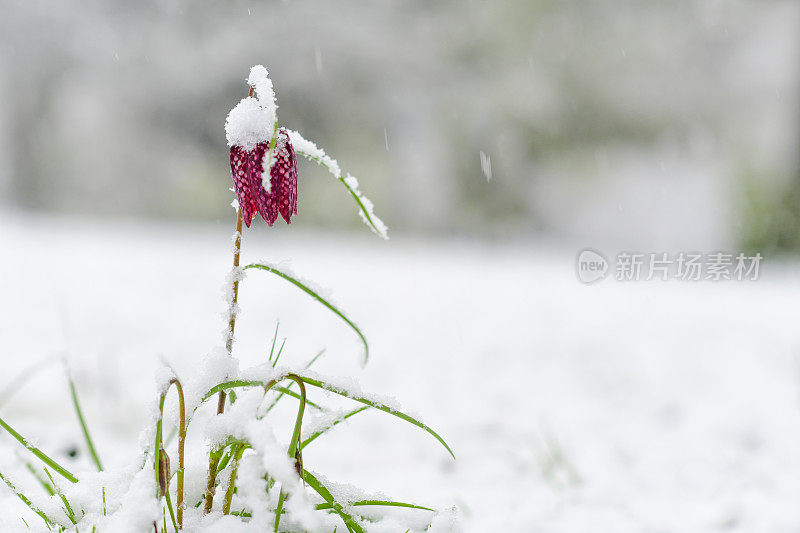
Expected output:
(365, 205)
(317, 297)
(288, 392)
(312, 152)
(47, 520)
(385, 409)
(350, 522)
(330, 388)
(225, 385)
(336, 422)
(239, 383)
(361, 503)
(277, 398)
(381, 503)
(84, 427)
(39, 453)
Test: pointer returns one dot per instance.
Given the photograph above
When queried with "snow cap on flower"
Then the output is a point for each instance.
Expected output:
(253, 119)
(259, 80)
(265, 181)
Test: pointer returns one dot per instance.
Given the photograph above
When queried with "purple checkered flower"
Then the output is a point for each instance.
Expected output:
(267, 197)
(265, 180)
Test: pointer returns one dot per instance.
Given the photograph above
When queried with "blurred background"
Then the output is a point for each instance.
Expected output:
(628, 123)
(496, 139)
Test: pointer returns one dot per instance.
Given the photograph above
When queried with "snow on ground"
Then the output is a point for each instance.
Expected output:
(615, 407)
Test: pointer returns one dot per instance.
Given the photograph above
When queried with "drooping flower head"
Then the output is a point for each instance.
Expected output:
(263, 161)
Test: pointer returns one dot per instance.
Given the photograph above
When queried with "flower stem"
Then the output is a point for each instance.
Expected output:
(237, 456)
(181, 454)
(212, 460)
(237, 248)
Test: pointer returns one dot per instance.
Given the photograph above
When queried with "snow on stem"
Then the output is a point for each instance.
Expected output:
(312, 152)
(232, 312)
(161, 462)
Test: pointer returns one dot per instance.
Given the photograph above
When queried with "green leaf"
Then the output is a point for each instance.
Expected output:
(290, 392)
(380, 407)
(30, 468)
(84, 427)
(64, 500)
(331, 388)
(279, 510)
(351, 523)
(39, 453)
(336, 422)
(323, 160)
(293, 394)
(316, 296)
(225, 385)
(47, 520)
(171, 512)
(382, 503)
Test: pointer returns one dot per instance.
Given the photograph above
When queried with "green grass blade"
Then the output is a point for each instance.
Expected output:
(317, 297)
(47, 520)
(64, 500)
(336, 422)
(330, 388)
(78, 411)
(277, 398)
(293, 394)
(43, 482)
(351, 523)
(314, 359)
(381, 503)
(380, 407)
(39, 453)
(278, 356)
(219, 387)
(274, 340)
(171, 512)
(305, 149)
(279, 510)
(374, 223)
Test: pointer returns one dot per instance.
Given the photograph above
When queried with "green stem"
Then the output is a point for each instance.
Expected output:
(294, 445)
(212, 476)
(237, 248)
(237, 456)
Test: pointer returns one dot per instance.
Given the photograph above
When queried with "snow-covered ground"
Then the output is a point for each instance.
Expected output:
(662, 407)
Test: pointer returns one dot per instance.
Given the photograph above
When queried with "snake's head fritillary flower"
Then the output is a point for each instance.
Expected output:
(265, 180)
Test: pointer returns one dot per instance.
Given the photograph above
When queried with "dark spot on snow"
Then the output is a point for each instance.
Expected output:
(72, 451)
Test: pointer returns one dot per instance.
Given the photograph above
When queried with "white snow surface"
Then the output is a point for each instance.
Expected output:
(635, 407)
